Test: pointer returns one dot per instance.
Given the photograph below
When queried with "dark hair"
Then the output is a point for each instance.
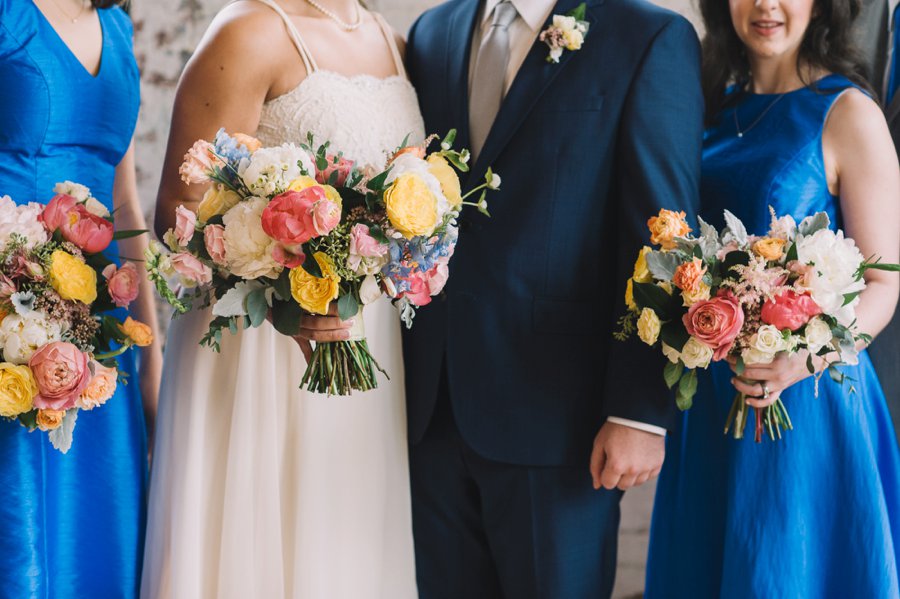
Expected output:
(827, 45)
(108, 3)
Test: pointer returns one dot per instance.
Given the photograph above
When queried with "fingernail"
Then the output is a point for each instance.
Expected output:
(351, 322)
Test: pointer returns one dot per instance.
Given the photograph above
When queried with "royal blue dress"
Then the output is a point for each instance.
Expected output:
(816, 514)
(71, 526)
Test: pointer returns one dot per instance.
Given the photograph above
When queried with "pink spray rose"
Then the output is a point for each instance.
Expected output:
(325, 216)
(789, 310)
(340, 165)
(716, 322)
(56, 211)
(123, 283)
(290, 218)
(436, 278)
(62, 373)
(185, 222)
(418, 292)
(190, 269)
(198, 161)
(214, 239)
(90, 232)
(286, 258)
(363, 244)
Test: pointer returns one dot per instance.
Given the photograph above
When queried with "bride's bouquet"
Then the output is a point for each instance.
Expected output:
(297, 228)
(729, 293)
(58, 335)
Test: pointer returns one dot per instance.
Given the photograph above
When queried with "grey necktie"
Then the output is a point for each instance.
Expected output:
(490, 75)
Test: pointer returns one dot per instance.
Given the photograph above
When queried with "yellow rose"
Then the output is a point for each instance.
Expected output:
(17, 389)
(665, 286)
(446, 176)
(71, 278)
(629, 296)
(48, 420)
(769, 248)
(411, 207)
(315, 294)
(666, 226)
(139, 333)
(217, 200)
(301, 183)
(332, 194)
(641, 272)
(691, 297)
(648, 326)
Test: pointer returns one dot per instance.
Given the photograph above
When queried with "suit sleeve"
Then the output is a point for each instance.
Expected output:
(658, 151)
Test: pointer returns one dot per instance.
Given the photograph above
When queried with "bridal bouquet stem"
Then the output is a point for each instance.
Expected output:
(733, 295)
(299, 228)
(59, 336)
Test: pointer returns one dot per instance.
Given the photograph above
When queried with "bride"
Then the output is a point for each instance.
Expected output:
(259, 489)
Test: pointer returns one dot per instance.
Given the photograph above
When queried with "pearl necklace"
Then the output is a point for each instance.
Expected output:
(342, 24)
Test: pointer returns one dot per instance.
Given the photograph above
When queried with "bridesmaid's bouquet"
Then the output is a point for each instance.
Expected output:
(729, 293)
(297, 228)
(58, 338)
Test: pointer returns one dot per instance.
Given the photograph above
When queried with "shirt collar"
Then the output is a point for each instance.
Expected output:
(533, 12)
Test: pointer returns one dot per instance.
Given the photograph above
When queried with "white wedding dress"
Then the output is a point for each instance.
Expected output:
(262, 490)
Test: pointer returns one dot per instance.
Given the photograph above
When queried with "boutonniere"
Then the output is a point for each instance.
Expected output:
(566, 33)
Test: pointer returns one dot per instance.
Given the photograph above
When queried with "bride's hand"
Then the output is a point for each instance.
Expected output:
(322, 329)
(784, 371)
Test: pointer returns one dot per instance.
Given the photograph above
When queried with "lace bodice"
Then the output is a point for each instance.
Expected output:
(364, 117)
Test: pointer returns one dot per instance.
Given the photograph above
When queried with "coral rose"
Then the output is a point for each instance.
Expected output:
(789, 310)
(294, 217)
(56, 211)
(666, 226)
(716, 322)
(122, 283)
(61, 372)
(336, 164)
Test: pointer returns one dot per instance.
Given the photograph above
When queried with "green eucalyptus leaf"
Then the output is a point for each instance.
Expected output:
(672, 373)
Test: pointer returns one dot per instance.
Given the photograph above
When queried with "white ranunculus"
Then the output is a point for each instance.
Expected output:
(76, 190)
(696, 354)
(369, 290)
(96, 207)
(818, 334)
(564, 22)
(22, 220)
(768, 340)
(247, 247)
(407, 163)
(835, 261)
(752, 356)
(22, 336)
(270, 170)
(671, 353)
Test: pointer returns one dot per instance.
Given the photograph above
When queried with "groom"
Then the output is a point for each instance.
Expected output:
(526, 418)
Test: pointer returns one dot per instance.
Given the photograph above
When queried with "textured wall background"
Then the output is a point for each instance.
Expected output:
(166, 32)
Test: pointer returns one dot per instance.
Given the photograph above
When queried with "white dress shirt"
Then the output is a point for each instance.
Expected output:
(523, 33)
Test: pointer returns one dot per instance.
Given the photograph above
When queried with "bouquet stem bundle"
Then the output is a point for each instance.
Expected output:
(339, 367)
(771, 420)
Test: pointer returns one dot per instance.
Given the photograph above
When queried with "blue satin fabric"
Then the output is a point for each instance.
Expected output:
(71, 526)
(818, 513)
(894, 78)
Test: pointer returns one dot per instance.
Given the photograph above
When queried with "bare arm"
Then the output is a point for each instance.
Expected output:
(130, 217)
(234, 70)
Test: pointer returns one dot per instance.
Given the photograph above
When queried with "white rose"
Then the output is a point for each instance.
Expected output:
(835, 261)
(671, 353)
(369, 291)
(76, 190)
(407, 163)
(22, 336)
(247, 247)
(364, 266)
(751, 356)
(696, 354)
(96, 207)
(23, 221)
(270, 170)
(818, 334)
(564, 22)
(768, 340)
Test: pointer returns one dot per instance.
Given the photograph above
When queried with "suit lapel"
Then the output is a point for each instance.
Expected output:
(533, 79)
(459, 50)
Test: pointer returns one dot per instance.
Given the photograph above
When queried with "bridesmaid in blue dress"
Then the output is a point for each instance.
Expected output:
(817, 514)
(71, 526)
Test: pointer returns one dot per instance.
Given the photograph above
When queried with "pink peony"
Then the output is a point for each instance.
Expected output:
(716, 322)
(56, 211)
(290, 218)
(62, 373)
(363, 244)
(789, 310)
(335, 164)
(90, 232)
(190, 269)
(198, 162)
(122, 283)
(185, 224)
(214, 239)
(286, 258)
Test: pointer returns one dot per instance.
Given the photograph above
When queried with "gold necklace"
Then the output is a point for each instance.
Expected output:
(67, 15)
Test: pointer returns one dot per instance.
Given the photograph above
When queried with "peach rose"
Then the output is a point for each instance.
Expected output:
(61, 372)
(248, 141)
(214, 239)
(666, 226)
(100, 389)
(190, 269)
(48, 420)
(689, 276)
(122, 283)
(769, 248)
(139, 333)
(185, 225)
(716, 322)
(198, 161)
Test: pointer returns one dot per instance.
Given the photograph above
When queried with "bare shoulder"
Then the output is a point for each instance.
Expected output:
(244, 32)
(856, 117)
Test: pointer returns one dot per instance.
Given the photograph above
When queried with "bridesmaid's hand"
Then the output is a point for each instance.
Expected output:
(764, 383)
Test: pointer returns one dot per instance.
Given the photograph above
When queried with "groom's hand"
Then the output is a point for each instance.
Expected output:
(625, 457)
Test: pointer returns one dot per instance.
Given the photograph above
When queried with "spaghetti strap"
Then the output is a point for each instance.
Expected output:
(392, 44)
(305, 55)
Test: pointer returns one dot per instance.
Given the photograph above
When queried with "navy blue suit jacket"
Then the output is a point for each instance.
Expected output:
(588, 149)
